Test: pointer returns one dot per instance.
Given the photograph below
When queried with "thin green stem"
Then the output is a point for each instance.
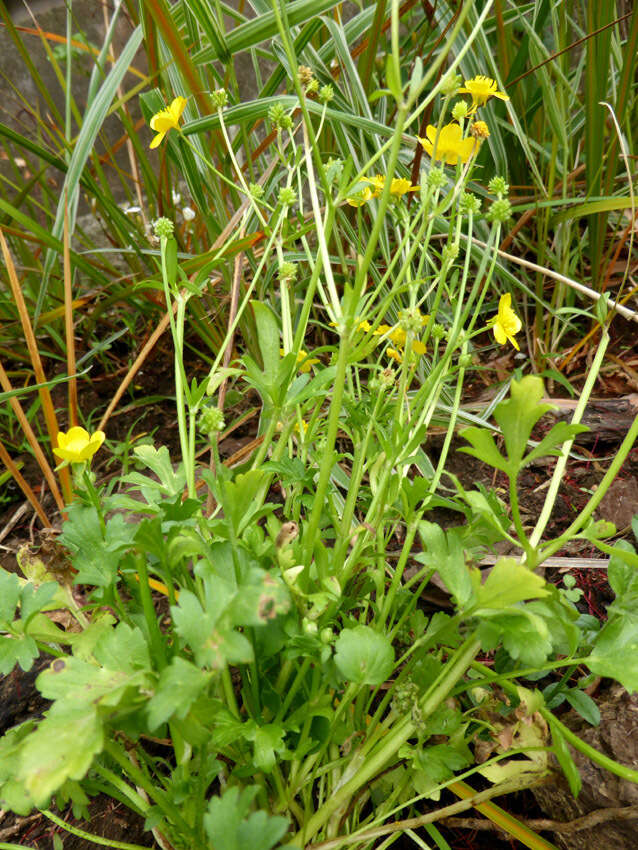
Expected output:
(559, 469)
(87, 836)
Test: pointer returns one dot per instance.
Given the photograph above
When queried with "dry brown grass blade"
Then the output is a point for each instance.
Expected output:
(68, 325)
(32, 440)
(45, 396)
(5, 457)
(137, 365)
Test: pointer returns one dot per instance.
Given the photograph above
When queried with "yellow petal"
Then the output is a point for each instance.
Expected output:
(177, 107)
(499, 333)
(157, 141)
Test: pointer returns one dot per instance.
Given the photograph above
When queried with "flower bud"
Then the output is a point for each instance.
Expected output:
(451, 83)
(459, 110)
(326, 635)
(309, 626)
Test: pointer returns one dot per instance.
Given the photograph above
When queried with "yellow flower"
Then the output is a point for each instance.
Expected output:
(167, 119)
(482, 89)
(76, 445)
(361, 197)
(506, 323)
(304, 359)
(398, 187)
(450, 146)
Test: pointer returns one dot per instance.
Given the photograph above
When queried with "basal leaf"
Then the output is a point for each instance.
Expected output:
(508, 583)
(364, 656)
(230, 826)
(444, 553)
(483, 447)
(62, 747)
(179, 686)
(615, 652)
(21, 649)
(519, 414)
(552, 442)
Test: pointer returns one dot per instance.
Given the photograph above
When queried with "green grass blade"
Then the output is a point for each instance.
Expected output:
(262, 28)
(92, 125)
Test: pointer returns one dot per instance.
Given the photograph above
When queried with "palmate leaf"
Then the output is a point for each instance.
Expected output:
(62, 747)
(179, 686)
(17, 650)
(508, 582)
(517, 417)
(96, 555)
(364, 656)
(444, 553)
(229, 825)
(615, 652)
(519, 414)
(214, 644)
(483, 447)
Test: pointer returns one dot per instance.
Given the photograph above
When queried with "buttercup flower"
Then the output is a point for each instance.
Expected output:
(77, 445)
(167, 119)
(506, 323)
(450, 146)
(482, 89)
(398, 187)
(398, 337)
(304, 361)
(361, 197)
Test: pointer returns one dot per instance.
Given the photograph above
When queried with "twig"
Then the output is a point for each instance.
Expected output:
(625, 312)
(22, 510)
(587, 821)
(8, 831)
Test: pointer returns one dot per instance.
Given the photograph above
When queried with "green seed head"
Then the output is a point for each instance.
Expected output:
(500, 210)
(211, 421)
(220, 98)
(498, 186)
